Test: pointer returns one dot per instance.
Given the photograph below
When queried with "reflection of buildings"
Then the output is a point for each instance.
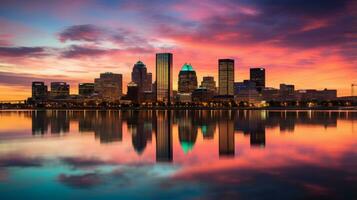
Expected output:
(106, 125)
(164, 149)
(140, 127)
(252, 123)
(59, 122)
(39, 122)
(226, 134)
(187, 134)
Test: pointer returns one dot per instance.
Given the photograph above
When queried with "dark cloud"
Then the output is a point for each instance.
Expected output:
(20, 161)
(22, 51)
(21, 79)
(83, 181)
(85, 32)
(297, 24)
(76, 51)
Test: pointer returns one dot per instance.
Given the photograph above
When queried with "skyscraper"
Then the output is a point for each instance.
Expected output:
(187, 79)
(109, 86)
(226, 77)
(164, 62)
(140, 76)
(59, 90)
(39, 90)
(209, 83)
(258, 76)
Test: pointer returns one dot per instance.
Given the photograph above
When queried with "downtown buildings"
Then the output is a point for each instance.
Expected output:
(141, 91)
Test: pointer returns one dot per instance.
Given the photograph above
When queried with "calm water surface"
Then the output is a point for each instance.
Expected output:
(178, 155)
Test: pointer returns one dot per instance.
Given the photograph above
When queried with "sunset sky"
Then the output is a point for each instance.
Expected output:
(312, 44)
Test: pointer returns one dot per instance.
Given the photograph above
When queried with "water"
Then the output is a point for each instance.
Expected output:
(178, 154)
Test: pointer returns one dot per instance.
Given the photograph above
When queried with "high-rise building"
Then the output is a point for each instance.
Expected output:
(109, 86)
(86, 89)
(187, 79)
(141, 77)
(226, 77)
(164, 62)
(59, 90)
(258, 76)
(209, 83)
(39, 90)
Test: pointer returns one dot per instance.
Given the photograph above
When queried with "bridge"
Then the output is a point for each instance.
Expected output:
(12, 101)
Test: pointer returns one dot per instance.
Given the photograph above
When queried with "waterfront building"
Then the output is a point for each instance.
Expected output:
(209, 83)
(133, 93)
(86, 89)
(225, 77)
(39, 90)
(187, 79)
(164, 65)
(109, 86)
(59, 90)
(258, 76)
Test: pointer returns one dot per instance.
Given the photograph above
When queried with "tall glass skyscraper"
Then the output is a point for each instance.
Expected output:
(164, 63)
(226, 77)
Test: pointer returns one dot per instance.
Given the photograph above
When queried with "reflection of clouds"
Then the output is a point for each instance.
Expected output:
(20, 161)
(88, 180)
(88, 162)
(122, 176)
(294, 182)
(3, 175)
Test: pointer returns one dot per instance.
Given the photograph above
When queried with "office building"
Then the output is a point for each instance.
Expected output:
(141, 77)
(226, 77)
(109, 86)
(59, 90)
(133, 93)
(187, 79)
(209, 83)
(86, 89)
(39, 90)
(164, 62)
(258, 76)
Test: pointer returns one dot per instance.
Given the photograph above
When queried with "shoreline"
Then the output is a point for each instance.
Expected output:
(350, 108)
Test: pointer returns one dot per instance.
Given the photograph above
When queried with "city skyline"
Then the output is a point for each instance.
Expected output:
(310, 44)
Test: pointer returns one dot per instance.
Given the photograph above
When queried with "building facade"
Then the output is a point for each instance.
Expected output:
(164, 62)
(109, 86)
(209, 83)
(59, 90)
(187, 79)
(258, 76)
(86, 89)
(226, 77)
(141, 77)
(39, 90)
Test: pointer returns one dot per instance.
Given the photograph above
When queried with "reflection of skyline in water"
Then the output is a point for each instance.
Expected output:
(306, 155)
(107, 126)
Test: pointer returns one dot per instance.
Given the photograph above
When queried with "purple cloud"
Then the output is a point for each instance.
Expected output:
(22, 51)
